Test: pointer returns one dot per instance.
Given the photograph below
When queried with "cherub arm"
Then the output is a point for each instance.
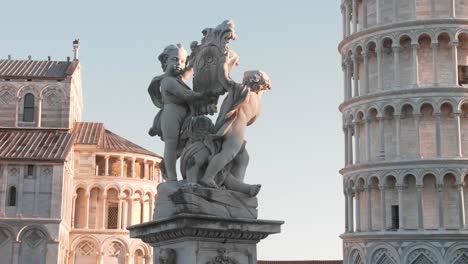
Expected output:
(178, 89)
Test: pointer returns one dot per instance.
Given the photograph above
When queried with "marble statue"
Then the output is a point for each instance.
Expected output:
(212, 156)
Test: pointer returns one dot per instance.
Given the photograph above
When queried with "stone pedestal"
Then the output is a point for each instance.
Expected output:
(203, 239)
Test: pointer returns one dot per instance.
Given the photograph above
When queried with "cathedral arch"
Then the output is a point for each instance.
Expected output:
(7, 237)
(53, 108)
(33, 244)
(356, 256)
(85, 250)
(422, 252)
(114, 251)
(457, 254)
(383, 253)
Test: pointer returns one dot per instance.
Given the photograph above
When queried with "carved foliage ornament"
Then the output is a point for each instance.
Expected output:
(222, 258)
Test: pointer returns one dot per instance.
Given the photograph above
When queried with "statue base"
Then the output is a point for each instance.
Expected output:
(202, 239)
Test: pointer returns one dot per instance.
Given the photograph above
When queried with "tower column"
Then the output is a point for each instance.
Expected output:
(437, 133)
(358, 209)
(461, 207)
(355, 18)
(357, 133)
(440, 189)
(369, 208)
(19, 193)
(382, 138)
(119, 212)
(350, 210)
(122, 160)
(454, 45)
(420, 207)
(400, 188)
(458, 134)
(347, 13)
(383, 206)
(39, 111)
(367, 139)
(73, 211)
(452, 8)
(350, 144)
(349, 87)
(378, 50)
(396, 65)
(417, 118)
(86, 216)
(377, 11)
(365, 73)
(435, 63)
(345, 133)
(106, 172)
(346, 211)
(103, 216)
(355, 75)
(344, 20)
(415, 47)
(397, 135)
(364, 14)
(395, 10)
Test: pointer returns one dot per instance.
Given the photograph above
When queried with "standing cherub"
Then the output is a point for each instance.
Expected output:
(170, 93)
(240, 108)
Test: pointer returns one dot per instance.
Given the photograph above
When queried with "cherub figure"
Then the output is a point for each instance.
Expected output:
(170, 93)
(240, 108)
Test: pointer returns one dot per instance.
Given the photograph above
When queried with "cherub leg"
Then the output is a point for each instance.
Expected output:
(231, 146)
(233, 184)
(241, 161)
(170, 128)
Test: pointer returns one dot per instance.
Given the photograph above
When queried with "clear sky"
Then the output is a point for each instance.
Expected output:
(296, 145)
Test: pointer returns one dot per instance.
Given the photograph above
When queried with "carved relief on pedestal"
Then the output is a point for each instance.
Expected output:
(222, 258)
(166, 256)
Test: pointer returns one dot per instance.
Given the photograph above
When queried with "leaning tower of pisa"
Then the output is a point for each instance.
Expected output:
(405, 124)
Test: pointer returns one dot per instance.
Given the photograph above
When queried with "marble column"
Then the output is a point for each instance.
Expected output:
(86, 211)
(461, 206)
(365, 73)
(150, 213)
(349, 85)
(417, 118)
(3, 189)
(357, 132)
(19, 193)
(357, 191)
(355, 75)
(133, 167)
(440, 188)
(401, 212)
(122, 160)
(345, 133)
(73, 211)
(396, 65)
(364, 14)
(345, 81)
(458, 134)
(350, 211)
(380, 88)
(344, 20)
(437, 135)
(420, 207)
(369, 208)
(124, 213)
(452, 8)
(36, 191)
(378, 11)
(383, 206)
(119, 212)
(103, 213)
(397, 135)
(354, 16)
(350, 144)
(142, 210)
(106, 172)
(39, 111)
(435, 63)
(455, 62)
(347, 18)
(382, 138)
(367, 139)
(346, 212)
(414, 47)
(18, 99)
(413, 7)
(395, 10)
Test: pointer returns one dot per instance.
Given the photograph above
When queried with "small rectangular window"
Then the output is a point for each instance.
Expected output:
(30, 170)
(395, 217)
(112, 215)
(12, 196)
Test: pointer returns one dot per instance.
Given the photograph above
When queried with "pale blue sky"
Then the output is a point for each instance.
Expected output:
(295, 146)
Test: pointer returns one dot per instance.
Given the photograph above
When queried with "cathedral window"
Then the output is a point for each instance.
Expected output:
(28, 109)
(395, 217)
(30, 171)
(112, 215)
(12, 196)
(462, 75)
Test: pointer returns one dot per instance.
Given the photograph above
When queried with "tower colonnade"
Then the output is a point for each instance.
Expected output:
(404, 117)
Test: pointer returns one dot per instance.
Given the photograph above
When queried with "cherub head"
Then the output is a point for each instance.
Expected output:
(173, 59)
(167, 256)
(256, 81)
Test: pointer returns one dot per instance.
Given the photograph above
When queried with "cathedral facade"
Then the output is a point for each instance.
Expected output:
(405, 123)
(68, 189)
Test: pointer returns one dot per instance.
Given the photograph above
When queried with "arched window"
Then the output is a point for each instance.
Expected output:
(28, 110)
(12, 196)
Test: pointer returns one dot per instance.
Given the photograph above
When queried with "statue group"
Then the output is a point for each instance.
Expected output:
(211, 155)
